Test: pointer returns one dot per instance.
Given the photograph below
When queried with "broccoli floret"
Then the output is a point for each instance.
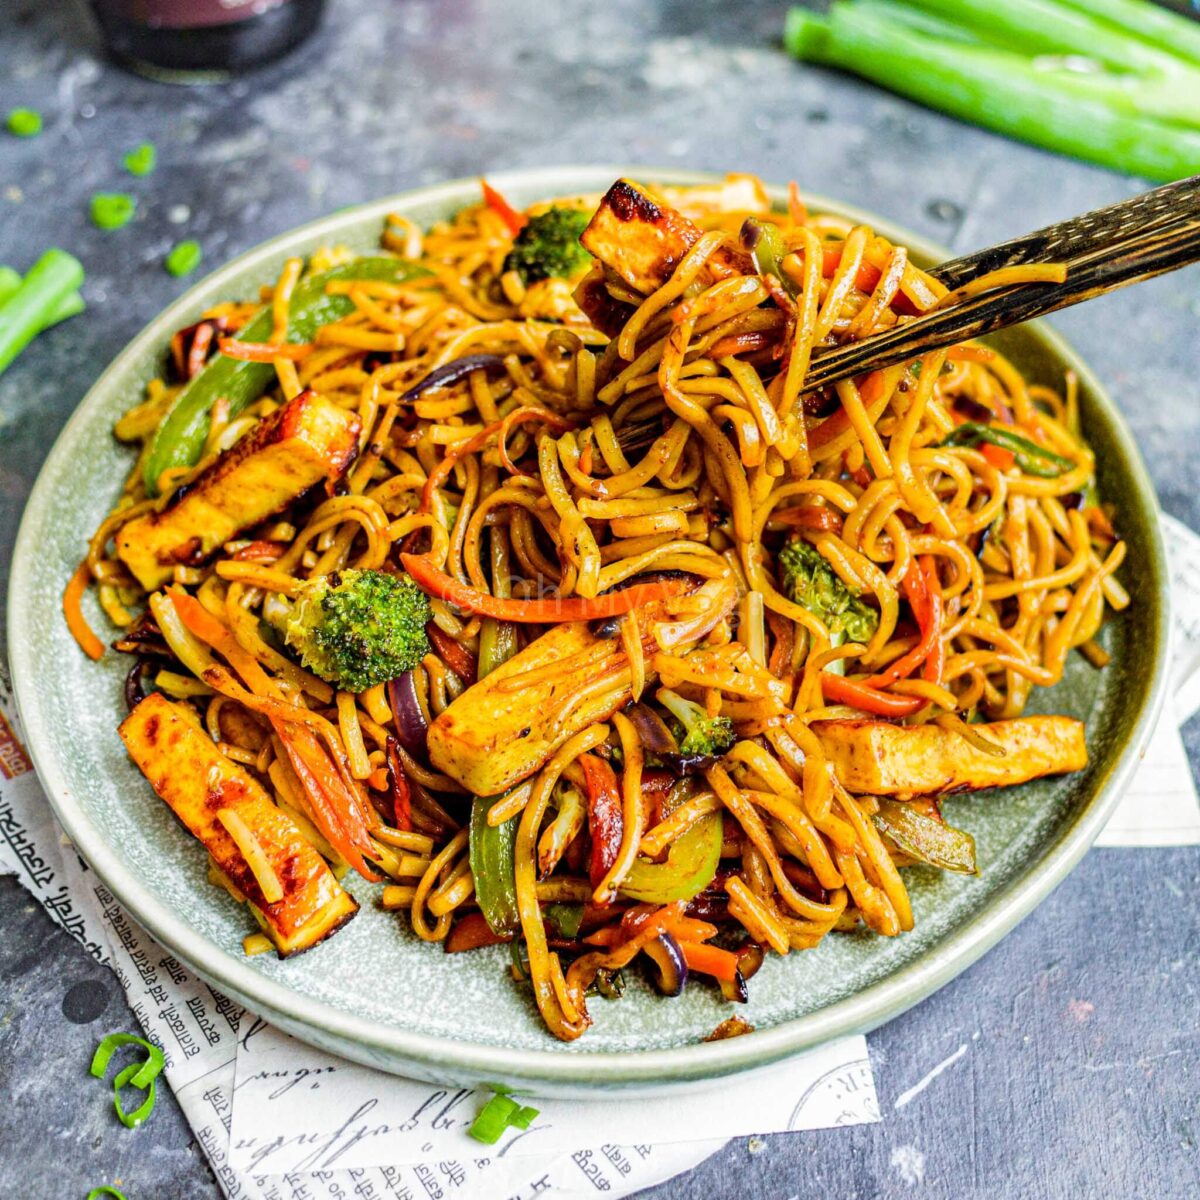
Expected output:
(548, 246)
(702, 734)
(813, 584)
(359, 628)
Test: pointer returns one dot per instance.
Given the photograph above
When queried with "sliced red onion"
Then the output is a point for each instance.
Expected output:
(135, 691)
(411, 726)
(452, 372)
(670, 973)
(652, 730)
(750, 957)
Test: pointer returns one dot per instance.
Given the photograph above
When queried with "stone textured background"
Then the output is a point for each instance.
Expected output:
(1079, 1071)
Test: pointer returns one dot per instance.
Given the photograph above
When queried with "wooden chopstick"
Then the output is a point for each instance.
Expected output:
(1104, 250)
(1104, 228)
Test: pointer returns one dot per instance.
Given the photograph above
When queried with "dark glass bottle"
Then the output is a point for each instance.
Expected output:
(199, 40)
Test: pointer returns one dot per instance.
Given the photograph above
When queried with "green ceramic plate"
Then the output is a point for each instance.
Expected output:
(378, 995)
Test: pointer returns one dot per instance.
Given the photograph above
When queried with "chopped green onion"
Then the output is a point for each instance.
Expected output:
(28, 310)
(523, 1117)
(141, 161)
(105, 1190)
(1030, 457)
(72, 304)
(1148, 22)
(184, 258)
(148, 1068)
(111, 210)
(494, 1118)
(24, 122)
(131, 1120)
(1105, 116)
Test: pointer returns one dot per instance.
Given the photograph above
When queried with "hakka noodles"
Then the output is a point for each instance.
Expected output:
(513, 566)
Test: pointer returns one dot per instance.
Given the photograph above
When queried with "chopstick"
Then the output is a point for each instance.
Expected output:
(1110, 248)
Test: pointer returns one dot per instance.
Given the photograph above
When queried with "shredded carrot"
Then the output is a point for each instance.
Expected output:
(338, 811)
(858, 694)
(797, 209)
(998, 456)
(72, 604)
(710, 960)
(514, 220)
(550, 611)
(969, 353)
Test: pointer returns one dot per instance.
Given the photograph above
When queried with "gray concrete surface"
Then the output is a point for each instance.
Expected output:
(1079, 1074)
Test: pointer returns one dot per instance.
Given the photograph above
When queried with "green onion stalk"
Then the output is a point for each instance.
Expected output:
(37, 301)
(1108, 117)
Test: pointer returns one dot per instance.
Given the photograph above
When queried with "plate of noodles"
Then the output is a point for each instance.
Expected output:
(476, 654)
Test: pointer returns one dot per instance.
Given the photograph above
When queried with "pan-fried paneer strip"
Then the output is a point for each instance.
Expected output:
(507, 725)
(307, 441)
(258, 847)
(643, 240)
(880, 759)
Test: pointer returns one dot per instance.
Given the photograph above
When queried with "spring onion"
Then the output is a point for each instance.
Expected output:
(112, 210)
(24, 122)
(131, 1120)
(70, 306)
(523, 1117)
(498, 1114)
(493, 1119)
(183, 259)
(497, 639)
(147, 1069)
(1148, 22)
(764, 240)
(142, 160)
(38, 297)
(1029, 456)
(1039, 70)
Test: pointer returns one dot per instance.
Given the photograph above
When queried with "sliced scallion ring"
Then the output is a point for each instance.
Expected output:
(145, 1071)
(131, 1120)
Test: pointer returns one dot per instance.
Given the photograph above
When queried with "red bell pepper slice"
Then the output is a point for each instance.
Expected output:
(605, 821)
(860, 695)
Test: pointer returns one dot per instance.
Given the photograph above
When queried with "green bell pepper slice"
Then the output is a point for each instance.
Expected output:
(179, 440)
(491, 850)
(1029, 456)
(926, 839)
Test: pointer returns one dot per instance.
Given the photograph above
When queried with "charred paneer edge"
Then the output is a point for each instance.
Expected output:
(307, 441)
(643, 240)
(198, 782)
